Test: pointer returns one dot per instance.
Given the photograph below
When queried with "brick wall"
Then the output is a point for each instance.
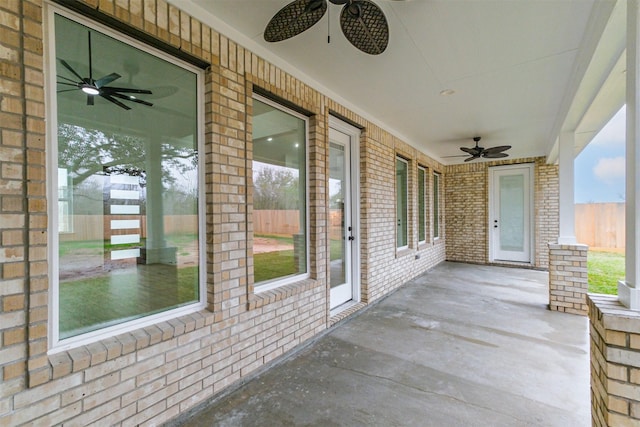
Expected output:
(467, 210)
(152, 374)
(615, 362)
(547, 208)
(568, 285)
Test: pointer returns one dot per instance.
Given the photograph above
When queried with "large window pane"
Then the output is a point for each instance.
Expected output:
(279, 193)
(512, 213)
(402, 197)
(422, 208)
(436, 205)
(127, 181)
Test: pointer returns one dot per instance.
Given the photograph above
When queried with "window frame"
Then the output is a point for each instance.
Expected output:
(286, 280)
(406, 191)
(55, 344)
(436, 187)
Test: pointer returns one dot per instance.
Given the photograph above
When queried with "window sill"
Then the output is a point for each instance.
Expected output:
(260, 299)
(83, 357)
(401, 253)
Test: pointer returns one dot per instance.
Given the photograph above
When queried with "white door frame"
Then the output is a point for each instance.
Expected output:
(493, 234)
(353, 134)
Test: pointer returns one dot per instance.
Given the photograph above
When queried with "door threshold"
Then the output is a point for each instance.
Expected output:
(343, 311)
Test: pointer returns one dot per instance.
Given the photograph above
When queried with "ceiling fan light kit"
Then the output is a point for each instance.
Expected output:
(93, 88)
(362, 21)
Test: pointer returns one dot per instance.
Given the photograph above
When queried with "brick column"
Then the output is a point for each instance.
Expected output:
(615, 362)
(568, 278)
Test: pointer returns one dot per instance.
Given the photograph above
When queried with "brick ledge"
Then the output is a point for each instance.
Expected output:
(260, 299)
(337, 318)
(80, 358)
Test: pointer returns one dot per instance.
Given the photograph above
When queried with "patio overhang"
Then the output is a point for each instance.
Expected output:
(521, 73)
(600, 91)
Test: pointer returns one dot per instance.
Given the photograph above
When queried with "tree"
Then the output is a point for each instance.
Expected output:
(275, 188)
(87, 152)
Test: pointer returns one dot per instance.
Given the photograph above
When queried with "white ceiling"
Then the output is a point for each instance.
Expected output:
(515, 66)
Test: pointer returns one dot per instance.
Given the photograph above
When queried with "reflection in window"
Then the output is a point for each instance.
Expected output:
(402, 196)
(279, 194)
(127, 181)
(436, 205)
(65, 202)
(422, 208)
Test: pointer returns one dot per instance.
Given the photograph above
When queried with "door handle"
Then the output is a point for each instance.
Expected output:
(352, 238)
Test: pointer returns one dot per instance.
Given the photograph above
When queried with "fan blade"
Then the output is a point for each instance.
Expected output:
(69, 80)
(294, 18)
(468, 159)
(110, 89)
(498, 149)
(90, 99)
(159, 92)
(68, 67)
(115, 101)
(365, 26)
(66, 90)
(107, 79)
(494, 155)
(458, 155)
(471, 151)
(128, 98)
(68, 84)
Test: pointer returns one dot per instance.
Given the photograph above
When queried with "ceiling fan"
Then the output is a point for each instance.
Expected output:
(362, 21)
(487, 153)
(99, 87)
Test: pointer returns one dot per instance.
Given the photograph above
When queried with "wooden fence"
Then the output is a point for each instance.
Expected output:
(287, 222)
(97, 227)
(600, 225)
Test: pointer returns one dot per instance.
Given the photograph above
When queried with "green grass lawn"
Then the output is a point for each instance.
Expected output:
(270, 265)
(605, 270)
(93, 302)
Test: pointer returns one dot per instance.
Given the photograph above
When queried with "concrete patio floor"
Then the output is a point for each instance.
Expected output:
(462, 345)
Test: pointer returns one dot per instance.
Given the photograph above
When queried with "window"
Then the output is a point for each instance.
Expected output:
(422, 205)
(279, 195)
(436, 205)
(402, 198)
(127, 178)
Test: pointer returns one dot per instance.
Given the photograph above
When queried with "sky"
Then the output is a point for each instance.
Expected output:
(599, 168)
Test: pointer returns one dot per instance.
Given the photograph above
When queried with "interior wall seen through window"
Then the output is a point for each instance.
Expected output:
(127, 161)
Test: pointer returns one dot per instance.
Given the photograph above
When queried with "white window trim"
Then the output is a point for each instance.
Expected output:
(425, 195)
(54, 342)
(287, 280)
(406, 191)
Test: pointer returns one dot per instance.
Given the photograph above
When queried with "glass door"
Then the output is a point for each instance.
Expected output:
(343, 236)
(511, 213)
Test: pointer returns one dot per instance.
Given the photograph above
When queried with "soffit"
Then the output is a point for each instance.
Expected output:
(512, 64)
